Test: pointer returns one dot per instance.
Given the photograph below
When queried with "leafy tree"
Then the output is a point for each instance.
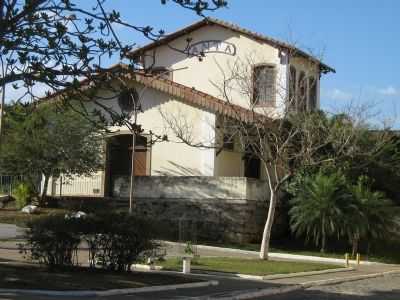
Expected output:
(375, 217)
(43, 140)
(320, 207)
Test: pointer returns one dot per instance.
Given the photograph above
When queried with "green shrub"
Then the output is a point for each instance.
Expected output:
(22, 194)
(115, 240)
(54, 240)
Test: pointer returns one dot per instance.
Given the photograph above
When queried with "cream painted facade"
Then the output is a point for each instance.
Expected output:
(174, 158)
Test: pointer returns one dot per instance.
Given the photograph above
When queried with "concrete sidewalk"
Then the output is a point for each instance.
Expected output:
(233, 288)
(10, 231)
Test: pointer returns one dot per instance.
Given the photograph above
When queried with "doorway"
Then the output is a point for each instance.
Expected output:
(119, 163)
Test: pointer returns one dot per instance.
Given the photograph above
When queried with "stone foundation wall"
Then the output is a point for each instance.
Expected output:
(221, 209)
(220, 220)
(225, 209)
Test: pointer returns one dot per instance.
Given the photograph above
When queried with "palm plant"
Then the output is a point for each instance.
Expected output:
(319, 207)
(377, 214)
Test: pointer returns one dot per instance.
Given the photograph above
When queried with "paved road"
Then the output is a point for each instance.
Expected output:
(382, 288)
(8, 231)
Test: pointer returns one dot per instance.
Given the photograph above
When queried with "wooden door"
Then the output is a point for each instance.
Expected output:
(140, 162)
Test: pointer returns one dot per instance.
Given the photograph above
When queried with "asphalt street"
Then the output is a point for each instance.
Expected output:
(382, 288)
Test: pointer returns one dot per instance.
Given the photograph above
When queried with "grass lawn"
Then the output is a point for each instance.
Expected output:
(383, 251)
(13, 216)
(246, 266)
(37, 277)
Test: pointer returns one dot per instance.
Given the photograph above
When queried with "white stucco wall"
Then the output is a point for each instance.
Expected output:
(173, 157)
(208, 73)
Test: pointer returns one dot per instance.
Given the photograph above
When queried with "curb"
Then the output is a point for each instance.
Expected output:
(269, 277)
(113, 292)
(277, 255)
(304, 274)
(348, 279)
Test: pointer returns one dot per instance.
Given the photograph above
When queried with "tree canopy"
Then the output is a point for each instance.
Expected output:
(46, 141)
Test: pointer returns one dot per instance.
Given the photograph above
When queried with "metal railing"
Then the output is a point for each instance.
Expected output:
(8, 183)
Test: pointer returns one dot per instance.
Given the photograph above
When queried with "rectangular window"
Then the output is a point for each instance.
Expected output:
(312, 94)
(264, 77)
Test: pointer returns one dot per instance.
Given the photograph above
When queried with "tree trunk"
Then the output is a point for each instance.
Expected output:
(44, 191)
(354, 246)
(273, 199)
(323, 243)
(323, 237)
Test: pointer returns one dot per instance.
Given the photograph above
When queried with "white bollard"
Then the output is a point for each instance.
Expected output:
(186, 265)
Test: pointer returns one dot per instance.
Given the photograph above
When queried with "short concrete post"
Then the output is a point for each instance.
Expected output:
(358, 258)
(186, 265)
(346, 258)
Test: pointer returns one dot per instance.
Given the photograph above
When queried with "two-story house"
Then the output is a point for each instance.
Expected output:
(188, 69)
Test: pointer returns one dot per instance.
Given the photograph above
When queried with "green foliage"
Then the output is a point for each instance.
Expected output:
(319, 207)
(54, 240)
(189, 249)
(375, 217)
(115, 240)
(22, 194)
(45, 140)
(327, 204)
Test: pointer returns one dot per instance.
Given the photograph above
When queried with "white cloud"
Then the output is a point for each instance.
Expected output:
(389, 91)
(337, 94)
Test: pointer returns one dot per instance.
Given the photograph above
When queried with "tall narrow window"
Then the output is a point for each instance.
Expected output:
(292, 89)
(312, 94)
(302, 92)
(264, 77)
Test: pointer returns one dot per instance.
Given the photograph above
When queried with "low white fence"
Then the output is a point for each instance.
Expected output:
(77, 186)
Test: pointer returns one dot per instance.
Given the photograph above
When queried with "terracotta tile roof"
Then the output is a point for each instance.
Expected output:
(212, 21)
(194, 97)
(184, 93)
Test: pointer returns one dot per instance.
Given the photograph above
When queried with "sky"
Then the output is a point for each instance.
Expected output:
(359, 38)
